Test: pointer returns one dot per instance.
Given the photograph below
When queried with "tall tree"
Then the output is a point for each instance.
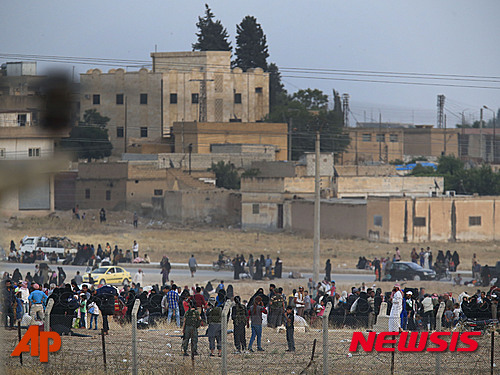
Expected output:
(251, 45)
(212, 36)
(277, 92)
(90, 139)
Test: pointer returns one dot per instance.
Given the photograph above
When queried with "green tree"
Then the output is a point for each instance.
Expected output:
(212, 36)
(226, 175)
(420, 170)
(93, 118)
(88, 142)
(312, 99)
(251, 45)
(277, 92)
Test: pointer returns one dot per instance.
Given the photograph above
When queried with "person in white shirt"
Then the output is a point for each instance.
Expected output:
(300, 301)
(397, 307)
(138, 277)
(135, 249)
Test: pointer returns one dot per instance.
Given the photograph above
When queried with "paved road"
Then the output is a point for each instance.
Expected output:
(152, 275)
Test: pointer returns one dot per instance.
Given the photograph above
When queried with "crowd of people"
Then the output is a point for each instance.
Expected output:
(198, 306)
(254, 268)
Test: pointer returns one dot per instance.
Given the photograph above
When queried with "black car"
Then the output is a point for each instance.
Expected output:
(408, 271)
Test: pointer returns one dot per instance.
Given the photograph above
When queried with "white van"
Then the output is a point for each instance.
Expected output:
(60, 245)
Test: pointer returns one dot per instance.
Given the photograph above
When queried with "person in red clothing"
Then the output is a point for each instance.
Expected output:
(201, 304)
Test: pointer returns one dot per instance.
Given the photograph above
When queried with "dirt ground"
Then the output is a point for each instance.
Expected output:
(158, 238)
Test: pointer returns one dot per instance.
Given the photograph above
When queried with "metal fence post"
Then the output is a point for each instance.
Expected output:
(492, 350)
(225, 313)
(135, 309)
(48, 309)
(324, 320)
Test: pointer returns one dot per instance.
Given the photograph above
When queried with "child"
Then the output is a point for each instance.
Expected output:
(448, 318)
(94, 314)
(289, 318)
(83, 310)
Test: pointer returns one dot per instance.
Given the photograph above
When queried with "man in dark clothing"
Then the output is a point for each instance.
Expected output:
(192, 321)
(8, 301)
(165, 270)
(328, 270)
(239, 315)
(214, 318)
(289, 318)
(276, 307)
(485, 276)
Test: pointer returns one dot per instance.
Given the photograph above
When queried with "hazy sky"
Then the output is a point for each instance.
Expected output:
(426, 36)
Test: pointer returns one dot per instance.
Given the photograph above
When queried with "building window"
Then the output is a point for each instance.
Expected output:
(237, 98)
(474, 221)
(119, 132)
(380, 137)
(87, 193)
(143, 99)
(34, 152)
(255, 208)
(119, 99)
(22, 119)
(108, 195)
(258, 90)
(419, 222)
(2, 153)
(393, 138)
(173, 98)
(367, 137)
(96, 99)
(377, 220)
(158, 192)
(195, 98)
(144, 132)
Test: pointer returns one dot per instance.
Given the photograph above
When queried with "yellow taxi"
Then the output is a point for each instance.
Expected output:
(109, 275)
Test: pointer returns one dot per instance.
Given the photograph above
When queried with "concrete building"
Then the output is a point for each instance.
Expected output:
(460, 218)
(367, 186)
(477, 145)
(182, 86)
(129, 185)
(384, 145)
(204, 136)
(26, 154)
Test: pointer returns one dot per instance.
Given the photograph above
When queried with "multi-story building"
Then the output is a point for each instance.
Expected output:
(181, 87)
(384, 144)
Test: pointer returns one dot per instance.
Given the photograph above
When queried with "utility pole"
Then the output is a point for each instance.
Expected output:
(190, 148)
(290, 127)
(440, 114)
(345, 109)
(481, 134)
(125, 130)
(202, 99)
(444, 151)
(316, 213)
(379, 137)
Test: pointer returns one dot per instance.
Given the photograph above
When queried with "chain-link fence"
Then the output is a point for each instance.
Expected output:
(147, 344)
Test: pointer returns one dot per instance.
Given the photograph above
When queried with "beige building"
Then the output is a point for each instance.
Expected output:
(204, 135)
(457, 218)
(129, 185)
(27, 184)
(181, 87)
(384, 145)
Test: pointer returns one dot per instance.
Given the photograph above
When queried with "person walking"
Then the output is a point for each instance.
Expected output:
(165, 270)
(136, 220)
(240, 320)
(192, 322)
(328, 270)
(289, 318)
(138, 277)
(192, 265)
(256, 311)
(94, 314)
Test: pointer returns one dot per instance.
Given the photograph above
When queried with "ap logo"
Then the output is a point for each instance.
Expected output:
(39, 343)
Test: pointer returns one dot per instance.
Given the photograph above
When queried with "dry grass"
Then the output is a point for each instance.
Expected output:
(158, 239)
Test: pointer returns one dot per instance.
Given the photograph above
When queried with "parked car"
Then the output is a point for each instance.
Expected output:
(108, 275)
(408, 271)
